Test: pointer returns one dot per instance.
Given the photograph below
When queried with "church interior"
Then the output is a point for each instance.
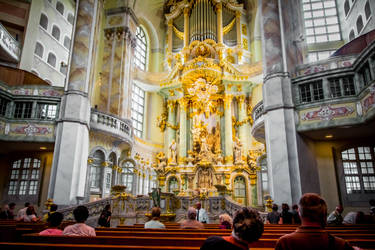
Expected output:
(229, 103)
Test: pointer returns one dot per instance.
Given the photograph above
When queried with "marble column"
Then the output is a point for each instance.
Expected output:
(219, 14)
(228, 129)
(238, 28)
(243, 130)
(169, 34)
(171, 133)
(69, 167)
(183, 130)
(186, 27)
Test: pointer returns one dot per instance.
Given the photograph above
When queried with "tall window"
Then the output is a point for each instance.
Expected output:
(23, 109)
(311, 91)
(51, 59)
(367, 10)
(321, 21)
(359, 173)
(319, 55)
(56, 32)
(70, 18)
(127, 175)
(96, 170)
(138, 102)
(141, 49)
(240, 190)
(172, 184)
(46, 111)
(66, 42)
(43, 21)
(365, 75)
(264, 177)
(39, 50)
(3, 106)
(60, 8)
(24, 177)
(359, 24)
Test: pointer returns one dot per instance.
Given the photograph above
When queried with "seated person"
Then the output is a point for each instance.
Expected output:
(30, 215)
(274, 216)
(335, 218)
(201, 213)
(247, 227)
(52, 209)
(155, 220)
(191, 221)
(225, 221)
(54, 221)
(81, 213)
(311, 234)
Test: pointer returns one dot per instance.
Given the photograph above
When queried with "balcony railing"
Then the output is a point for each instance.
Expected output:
(121, 128)
(9, 44)
(257, 111)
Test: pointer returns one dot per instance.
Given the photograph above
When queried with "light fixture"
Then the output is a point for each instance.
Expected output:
(43, 148)
(329, 136)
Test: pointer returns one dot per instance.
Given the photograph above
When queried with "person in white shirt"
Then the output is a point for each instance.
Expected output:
(201, 213)
(81, 213)
(155, 223)
(22, 212)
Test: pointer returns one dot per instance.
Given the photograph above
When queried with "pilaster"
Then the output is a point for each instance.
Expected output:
(228, 129)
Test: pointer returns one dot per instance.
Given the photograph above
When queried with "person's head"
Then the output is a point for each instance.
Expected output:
(285, 207)
(107, 207)
(275, 207)
(360, 218)
(155, 213)
(192, 213)
(248, 225)
(295, 207)
(55, 219)
(30, 210)
(81, 213)
(339, 209)
(313, 208)
(198, 205)
(372, 202)
(225, 218)
(53, 208)
(12, 206)
(27, 204)
(6, 207)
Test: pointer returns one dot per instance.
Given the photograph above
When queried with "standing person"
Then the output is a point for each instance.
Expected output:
(201, 213)
(286, 216)
(335, 218)
(295, 214)
(81, 213)
(4, 212)
(274, 216)
(155, 220)
(105, 217)
(247, 228)
(191, 221)
(30, 215)
(225, 221)
(22, 211)
(54, 221)
(52, 210)
(311, 234)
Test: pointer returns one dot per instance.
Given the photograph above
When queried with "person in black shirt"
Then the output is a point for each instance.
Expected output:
(295, 214)
(286, 216)
(274, 216)
(105, 217)
(247, 227)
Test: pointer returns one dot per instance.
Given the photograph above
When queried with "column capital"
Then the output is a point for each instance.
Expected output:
(183, 102)
(219, 6)
(186, 11)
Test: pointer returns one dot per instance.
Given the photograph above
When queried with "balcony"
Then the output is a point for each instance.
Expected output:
(10, 50)
(119, 129)
(257, 129)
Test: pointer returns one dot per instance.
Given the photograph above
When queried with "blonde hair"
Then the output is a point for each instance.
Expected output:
(225, 217)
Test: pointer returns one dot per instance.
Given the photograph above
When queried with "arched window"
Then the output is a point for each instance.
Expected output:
(43, 21)
(60, 7)
(39, 49)
(70, 18)
(66, 42)
(359, 24)
(351, 35)
(137, 109)
(63, 68)
(240, 190)
(51, 59)
(346, 7)
(264, 177)
(141, 49)
(359, 172)
(127, 175)
(367, 10)
(113, 162)
(24, 177)
(173, 184)
(96, 171)
(56, 32)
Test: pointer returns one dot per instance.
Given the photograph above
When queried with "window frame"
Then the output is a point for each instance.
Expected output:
(125, 165)
(63, 7)
(135, 104)
(51, 53)
(141, 54)
(56, 27)
(356, 24)
(42, 46)
(40, 19)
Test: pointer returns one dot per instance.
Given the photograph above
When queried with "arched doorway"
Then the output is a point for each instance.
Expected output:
(240, 190)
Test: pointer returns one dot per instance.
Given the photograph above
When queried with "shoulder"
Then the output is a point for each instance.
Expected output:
(212, 242)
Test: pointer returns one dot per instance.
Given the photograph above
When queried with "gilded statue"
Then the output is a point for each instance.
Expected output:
(173, 153)
(161, 160)
(161, 121)
(237, 151)
(205, 178)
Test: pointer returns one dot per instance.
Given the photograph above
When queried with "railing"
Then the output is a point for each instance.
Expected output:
(112, 124)
(257, 111)
(8, 42)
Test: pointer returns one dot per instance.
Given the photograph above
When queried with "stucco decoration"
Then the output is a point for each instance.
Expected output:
(369, 101)
(327, 112)
(31, 130)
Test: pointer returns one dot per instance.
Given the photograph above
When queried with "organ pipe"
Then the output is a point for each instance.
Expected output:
(202, 21)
